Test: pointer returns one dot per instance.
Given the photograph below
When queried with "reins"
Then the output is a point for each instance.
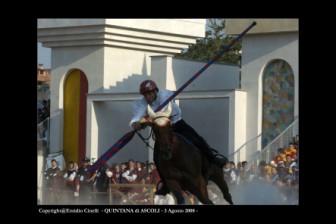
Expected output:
(145, 140)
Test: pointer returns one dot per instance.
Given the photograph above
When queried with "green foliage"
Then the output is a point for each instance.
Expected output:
(214, 40)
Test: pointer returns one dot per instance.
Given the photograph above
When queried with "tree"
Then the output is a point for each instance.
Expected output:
(215, 39)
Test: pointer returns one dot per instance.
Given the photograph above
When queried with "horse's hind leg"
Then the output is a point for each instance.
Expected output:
(203, 197)
(218, 178)
(201, 192)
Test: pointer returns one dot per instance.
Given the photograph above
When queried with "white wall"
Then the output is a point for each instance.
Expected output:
(216, 77)
(237, 126)
(112, 119)
(125, 69)
(90, 61)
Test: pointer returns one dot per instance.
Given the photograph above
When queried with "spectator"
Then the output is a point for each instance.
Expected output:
(53, 183)
(229, 175)
(262, 170)
(115, 178)
(241, 178)
(85, 181)
(233, 167)
(290, 162)
(154, 176)
(244, 164)
(116, 174)
(291, 151)
(102, 180)
(71, 181)
(140, 171)
(124, 167)
(280, 159)
(101, 183)
(250, 174)
(130, 174)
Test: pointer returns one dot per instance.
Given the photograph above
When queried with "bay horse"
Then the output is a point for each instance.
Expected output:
(181, 163)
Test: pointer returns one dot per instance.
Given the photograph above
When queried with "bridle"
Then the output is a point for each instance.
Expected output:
(146, 140)
(151, 134)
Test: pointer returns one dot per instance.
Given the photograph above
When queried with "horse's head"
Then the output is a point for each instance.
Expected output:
(162, 127)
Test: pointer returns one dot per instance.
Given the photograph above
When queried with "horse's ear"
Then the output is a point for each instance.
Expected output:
(150, 111)
(165, 113)
(168, 111)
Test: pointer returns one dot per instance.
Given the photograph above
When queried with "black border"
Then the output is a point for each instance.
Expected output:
(222, 211)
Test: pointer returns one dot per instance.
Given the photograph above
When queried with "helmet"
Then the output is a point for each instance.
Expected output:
(147, 86)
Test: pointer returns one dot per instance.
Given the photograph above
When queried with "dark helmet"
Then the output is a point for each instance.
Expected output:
(147, 86)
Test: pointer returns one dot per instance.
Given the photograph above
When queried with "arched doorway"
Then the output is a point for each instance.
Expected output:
(75, 91)
(278, 99)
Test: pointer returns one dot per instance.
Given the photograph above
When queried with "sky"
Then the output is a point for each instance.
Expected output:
(43, 55)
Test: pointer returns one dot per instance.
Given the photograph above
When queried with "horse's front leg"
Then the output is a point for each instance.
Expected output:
(175, 188)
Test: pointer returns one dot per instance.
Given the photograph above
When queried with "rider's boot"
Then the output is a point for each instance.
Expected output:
(213, 155)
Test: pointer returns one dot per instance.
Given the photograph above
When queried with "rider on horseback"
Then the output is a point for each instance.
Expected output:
(153, 97)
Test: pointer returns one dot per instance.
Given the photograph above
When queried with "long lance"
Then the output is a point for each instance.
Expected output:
(128, 136)
(210, 62)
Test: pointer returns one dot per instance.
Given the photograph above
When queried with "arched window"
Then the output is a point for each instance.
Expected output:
(278, 99)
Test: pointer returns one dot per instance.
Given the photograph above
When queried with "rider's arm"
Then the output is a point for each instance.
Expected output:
(139, 111)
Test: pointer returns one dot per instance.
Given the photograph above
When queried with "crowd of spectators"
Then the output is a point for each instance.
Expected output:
(76, 185)
(282, 172)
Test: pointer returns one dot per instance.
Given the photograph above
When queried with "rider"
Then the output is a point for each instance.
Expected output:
(154, 97)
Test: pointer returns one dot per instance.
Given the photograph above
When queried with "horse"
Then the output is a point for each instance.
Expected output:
(181, 163)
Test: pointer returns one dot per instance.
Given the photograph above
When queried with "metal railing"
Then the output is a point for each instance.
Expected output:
(267, 153)
(281, 141)
(43, 130)
(238, 153)
(43, 133)
(115, 194)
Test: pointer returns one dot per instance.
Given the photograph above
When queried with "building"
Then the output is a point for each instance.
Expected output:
(97, 65)
(43, 74)
(270, 79)
(43, 83)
